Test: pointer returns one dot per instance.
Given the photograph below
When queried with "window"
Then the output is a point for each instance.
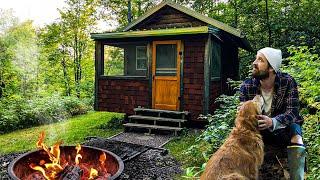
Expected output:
(141, 57)
(113, 61)
(216, 60)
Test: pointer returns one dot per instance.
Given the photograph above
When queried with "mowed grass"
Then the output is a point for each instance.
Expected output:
(71, 132)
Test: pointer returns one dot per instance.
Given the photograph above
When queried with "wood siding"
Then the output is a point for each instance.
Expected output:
(122, 95)
(215, 91)
(193, 80)
(169, 17)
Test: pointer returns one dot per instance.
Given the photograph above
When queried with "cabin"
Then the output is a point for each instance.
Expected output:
(174, 60)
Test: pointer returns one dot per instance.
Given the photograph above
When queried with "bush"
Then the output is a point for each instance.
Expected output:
(18, 113)
(312, 140)
(304, 66)
(220, 125)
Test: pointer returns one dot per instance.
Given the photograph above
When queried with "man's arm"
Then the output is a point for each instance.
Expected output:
(291, 114)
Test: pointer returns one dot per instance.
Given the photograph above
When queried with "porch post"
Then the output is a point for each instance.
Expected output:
(207, 75)
(99, 71)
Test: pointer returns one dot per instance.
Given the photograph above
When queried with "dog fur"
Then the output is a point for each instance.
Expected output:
(241, 156)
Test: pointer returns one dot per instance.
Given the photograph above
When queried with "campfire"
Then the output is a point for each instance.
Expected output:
(66, 162)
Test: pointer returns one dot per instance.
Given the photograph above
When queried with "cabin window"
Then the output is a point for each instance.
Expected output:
(141, 58)
(166, 59)
(216, 60)
(113, 61)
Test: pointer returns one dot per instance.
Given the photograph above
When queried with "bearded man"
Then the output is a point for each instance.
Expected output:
(280, 122)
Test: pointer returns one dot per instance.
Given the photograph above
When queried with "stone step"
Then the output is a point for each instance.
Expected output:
(147, 126)
(151, 118)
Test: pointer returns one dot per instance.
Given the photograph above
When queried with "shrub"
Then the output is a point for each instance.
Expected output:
(18, 113)
(220, 125)
(304, 66)
(312, 140)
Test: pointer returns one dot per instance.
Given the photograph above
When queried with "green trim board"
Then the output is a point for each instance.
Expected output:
(147, 33)
(189, 12)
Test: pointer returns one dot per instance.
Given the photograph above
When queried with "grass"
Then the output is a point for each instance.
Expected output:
(71, 132)
(178, 146)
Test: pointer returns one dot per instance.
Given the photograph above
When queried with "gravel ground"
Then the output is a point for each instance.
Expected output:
(153, 140)
(4, 164)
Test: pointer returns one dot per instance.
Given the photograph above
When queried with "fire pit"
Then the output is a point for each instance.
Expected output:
(91, 158)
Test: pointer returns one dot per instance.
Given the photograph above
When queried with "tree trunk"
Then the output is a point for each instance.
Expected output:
(65, 74)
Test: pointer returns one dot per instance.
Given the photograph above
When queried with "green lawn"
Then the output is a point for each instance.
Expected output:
(71, 131)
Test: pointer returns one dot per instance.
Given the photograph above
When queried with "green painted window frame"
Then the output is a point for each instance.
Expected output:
(142, 58)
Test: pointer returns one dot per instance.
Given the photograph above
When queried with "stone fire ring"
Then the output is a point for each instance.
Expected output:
(19, 167)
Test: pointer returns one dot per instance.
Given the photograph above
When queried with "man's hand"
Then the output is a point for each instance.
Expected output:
(264, 122)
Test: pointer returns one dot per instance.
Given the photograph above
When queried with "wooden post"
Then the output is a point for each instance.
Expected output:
(181, 53)
(149, 72)
(99, 71)
(207, 75)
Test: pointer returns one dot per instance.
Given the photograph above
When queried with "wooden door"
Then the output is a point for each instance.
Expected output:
(166, 74)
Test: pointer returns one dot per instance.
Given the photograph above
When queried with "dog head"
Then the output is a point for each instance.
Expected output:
(246, 117)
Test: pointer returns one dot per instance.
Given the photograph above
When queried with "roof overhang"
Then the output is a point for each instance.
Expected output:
(151, 33)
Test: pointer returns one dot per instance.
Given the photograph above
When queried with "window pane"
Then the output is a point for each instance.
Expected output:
(216, 60)
(166, 59)
(142, 52)
(141, 63)
(141, 57)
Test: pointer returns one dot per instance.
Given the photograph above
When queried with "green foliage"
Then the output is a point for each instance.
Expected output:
(304, 66)
(220, 125)
(312, 139)
(17, 112)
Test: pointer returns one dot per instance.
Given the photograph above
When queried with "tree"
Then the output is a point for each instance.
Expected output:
(78, 20)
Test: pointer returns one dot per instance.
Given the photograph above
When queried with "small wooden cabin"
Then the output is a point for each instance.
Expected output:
(174, 59)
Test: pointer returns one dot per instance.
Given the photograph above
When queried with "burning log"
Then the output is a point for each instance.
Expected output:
(71, 173)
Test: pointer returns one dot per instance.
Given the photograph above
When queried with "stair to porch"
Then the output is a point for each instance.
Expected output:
(156, 119)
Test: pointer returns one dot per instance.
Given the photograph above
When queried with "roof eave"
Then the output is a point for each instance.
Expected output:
(151, 33)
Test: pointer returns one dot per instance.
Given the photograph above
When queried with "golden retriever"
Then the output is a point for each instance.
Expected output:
(241, 156)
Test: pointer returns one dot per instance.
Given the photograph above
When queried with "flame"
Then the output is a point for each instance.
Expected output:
(93, 173)
(78, 148)
(102, 160)
(39, 168)
(51, 169)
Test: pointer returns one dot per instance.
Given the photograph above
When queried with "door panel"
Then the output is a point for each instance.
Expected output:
(166, 75)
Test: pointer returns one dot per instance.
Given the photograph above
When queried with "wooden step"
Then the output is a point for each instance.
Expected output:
(161, 111)
(151, 118)
(147, 126)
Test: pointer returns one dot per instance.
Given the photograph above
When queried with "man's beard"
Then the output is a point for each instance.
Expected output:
(260, 74)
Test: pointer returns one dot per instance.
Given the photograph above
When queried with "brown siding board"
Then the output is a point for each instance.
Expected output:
(169, 17)
(193, 76)
(122, 95)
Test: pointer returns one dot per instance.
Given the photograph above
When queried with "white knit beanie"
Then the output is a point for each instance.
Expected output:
(274, 57)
